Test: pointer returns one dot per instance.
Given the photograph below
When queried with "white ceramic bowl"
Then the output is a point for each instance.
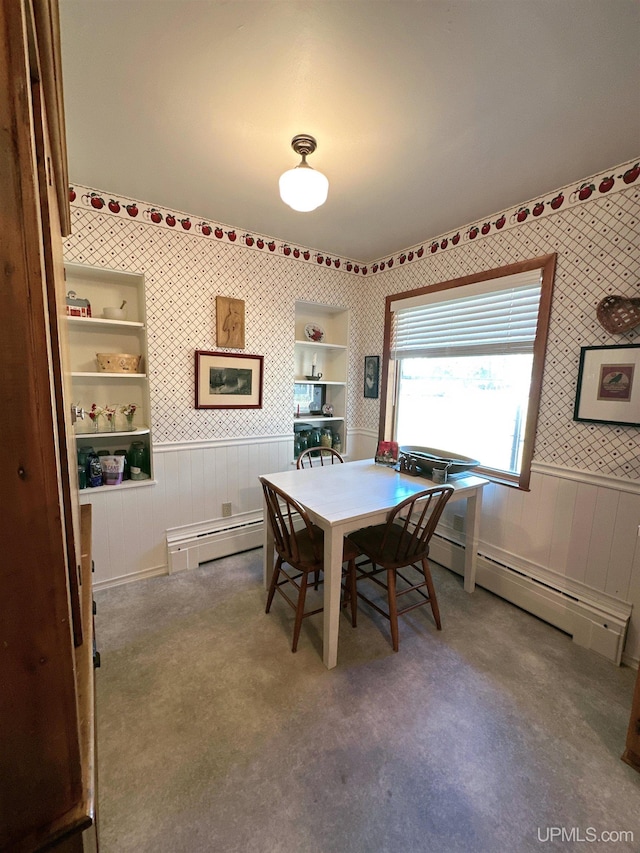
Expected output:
(114, 313)
(118, 362)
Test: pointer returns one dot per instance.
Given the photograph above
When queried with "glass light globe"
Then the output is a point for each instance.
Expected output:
(303, 188)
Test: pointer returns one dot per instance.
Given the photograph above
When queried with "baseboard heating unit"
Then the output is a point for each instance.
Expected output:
(192, 544)
(593, 619)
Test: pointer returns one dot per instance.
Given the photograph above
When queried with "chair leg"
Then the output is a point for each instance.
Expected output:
(353, 593)
(432, 592)
(304, 580)
(393, 607)
(272, 586)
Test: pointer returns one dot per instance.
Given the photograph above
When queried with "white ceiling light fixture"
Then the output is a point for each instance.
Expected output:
(303, 188)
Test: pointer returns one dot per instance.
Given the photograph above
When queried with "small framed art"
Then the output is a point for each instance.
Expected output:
(229, 322)
(609, 385)
(228, 380)
(371, 375)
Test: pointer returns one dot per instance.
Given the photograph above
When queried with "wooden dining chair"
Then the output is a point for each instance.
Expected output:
(402, 542)
(300, 545)
(314, 456)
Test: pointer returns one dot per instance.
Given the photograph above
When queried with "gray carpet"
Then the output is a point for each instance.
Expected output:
(496, 734)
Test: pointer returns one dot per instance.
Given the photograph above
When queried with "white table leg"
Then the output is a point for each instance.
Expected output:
(332, 586)
(267, 550)
(474, 509)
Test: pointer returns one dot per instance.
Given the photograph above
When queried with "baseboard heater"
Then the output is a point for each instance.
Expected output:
(592, 622)
(192, 544)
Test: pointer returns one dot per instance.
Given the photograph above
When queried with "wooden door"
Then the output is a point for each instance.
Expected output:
(40, 762)
(632, 751)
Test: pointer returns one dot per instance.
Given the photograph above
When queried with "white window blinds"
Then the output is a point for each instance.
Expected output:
(488, 317)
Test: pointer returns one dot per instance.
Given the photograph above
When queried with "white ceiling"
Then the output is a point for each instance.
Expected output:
(429, 114)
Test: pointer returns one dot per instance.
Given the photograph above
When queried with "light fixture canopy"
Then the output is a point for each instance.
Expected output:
(303, 188)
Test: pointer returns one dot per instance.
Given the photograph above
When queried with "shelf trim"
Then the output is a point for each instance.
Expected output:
(320, 345)
(316, 419)
(127, 484)
(102, 321)
(105, 375)
(318, 382)
(102, 275)
(141, 431)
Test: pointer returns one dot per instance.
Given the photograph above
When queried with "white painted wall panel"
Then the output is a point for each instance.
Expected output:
(583, 514)
(560, 539)
(601, 538)
(623, 546)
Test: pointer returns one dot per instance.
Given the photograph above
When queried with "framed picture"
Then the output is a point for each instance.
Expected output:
(371, 375)
(308, 398)
(228, 380)
(229, 322)
(609, 385)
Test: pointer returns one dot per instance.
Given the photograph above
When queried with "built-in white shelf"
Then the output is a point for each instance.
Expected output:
(88, 322)
(127, 484)
(319, 346)
(115, 433)
(105, 375)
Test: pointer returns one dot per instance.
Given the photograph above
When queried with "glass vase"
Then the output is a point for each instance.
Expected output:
(129, 422)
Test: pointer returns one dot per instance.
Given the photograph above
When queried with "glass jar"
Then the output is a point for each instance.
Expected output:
(138, 461)
(326, 438)
(303, 440)
(314, 438)
(337, 442)
(82, 468)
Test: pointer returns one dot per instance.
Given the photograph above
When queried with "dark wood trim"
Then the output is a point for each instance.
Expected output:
(631, 754)
(47, 32)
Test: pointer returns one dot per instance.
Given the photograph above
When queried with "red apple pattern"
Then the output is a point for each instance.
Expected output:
(600, 185)
(631, 174)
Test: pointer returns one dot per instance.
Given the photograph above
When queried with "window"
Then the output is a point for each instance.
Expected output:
(464, 366)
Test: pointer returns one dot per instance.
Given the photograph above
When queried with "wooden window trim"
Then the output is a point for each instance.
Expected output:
(547, 265)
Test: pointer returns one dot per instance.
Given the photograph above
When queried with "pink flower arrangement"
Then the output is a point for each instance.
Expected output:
(95, 412)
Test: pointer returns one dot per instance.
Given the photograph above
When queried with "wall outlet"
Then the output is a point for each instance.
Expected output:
(226, 510)
(458, 523)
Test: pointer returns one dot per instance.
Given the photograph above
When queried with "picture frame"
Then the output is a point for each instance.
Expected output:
(308, 398)
(608, 389)
(228, 380)
(229, 322)
(371, 376)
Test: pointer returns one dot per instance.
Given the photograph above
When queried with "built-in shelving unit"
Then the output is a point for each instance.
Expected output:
(96, 334)
(325, 358)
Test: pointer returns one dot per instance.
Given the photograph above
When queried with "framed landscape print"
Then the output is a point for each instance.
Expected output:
(228, 380)
(609, 385)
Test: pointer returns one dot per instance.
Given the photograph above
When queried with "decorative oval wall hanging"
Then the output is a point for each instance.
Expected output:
(618, 314)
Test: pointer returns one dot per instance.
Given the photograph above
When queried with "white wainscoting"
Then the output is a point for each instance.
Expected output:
(573, 532)
(192, 481)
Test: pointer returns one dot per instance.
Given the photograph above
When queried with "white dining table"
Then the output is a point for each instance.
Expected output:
(343, 497)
